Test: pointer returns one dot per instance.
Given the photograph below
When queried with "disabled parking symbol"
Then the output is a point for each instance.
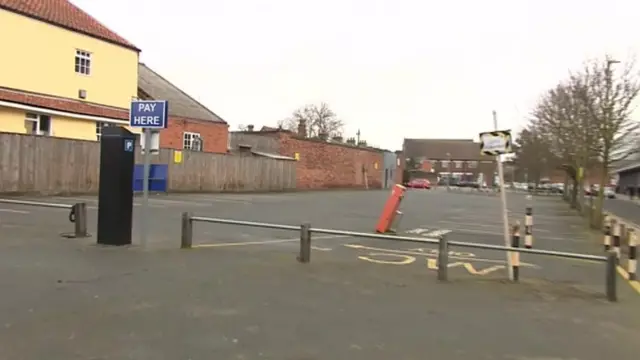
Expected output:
(128, 145)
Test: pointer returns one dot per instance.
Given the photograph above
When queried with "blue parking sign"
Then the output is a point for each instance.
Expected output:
(128, 145)
(150, 114)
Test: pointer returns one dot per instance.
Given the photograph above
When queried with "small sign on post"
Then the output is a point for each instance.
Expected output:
(496, 143)
(149, 115)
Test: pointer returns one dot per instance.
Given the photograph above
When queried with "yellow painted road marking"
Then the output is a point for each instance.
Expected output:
(451, 253)
(432, 264)
(414, 253)
(404, 259)
(634, 283)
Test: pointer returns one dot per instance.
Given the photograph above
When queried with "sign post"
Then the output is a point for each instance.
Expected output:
(496, 143)
(149, 115)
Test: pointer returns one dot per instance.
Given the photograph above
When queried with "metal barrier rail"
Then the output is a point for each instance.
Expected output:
(77, 214)
(443, 246)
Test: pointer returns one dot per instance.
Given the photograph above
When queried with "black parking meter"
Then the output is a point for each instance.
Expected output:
(115, 199)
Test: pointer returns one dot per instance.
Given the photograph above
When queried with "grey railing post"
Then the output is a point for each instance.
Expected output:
(611, 265)
(186, 238)
(443, 258)
(305, 243)
(80, 224)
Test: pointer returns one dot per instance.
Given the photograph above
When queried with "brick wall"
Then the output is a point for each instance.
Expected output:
(215, 136)
(324, 165)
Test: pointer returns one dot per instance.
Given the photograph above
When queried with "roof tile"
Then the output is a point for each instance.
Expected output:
(65, 14)
(180, 103)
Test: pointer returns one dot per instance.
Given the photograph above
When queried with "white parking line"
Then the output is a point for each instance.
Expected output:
(269, 241)
(13, 211)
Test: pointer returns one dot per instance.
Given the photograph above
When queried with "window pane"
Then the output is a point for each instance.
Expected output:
(45, 123)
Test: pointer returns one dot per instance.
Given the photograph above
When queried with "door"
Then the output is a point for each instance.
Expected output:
(386, 178)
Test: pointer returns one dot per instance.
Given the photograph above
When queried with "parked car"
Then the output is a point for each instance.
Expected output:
(419, 184)
(609, 192)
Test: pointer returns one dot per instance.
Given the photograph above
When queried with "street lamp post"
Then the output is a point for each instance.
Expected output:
(450, 174)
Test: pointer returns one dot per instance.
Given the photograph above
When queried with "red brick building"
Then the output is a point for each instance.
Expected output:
(191, 125)
(322, 164)
(436, 158)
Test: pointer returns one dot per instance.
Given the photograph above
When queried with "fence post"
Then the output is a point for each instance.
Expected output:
(80, 223)
(443, 258)
(616, 239)
(528, 228)
(515, 255)
(611, 276)
(305, 243)
(607, 232)
(633, 253)
(186, 238)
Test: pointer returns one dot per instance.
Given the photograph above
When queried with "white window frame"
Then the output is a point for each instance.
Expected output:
(187, 141)
(458, 164)
(472, 164)
(82, 62)
(99, 126)
(36, 119)
(444, 163)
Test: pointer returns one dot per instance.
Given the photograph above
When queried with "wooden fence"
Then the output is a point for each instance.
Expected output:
(44, 165)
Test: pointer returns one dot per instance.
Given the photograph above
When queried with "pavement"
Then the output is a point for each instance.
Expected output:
(240, 294)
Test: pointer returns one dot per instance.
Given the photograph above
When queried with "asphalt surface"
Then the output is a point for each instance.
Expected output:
(240, 294)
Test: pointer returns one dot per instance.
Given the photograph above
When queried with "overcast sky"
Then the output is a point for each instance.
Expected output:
(392, 68)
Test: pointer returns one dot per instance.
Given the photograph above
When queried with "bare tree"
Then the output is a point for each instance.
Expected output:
(320, 120)
(532, 154)
(570, 133)
(608, 100)
(242, 127)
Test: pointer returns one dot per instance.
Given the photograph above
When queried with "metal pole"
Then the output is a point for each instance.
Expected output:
(503, 199)
(305, 243)
(145, 187)
(81, 220)
(186, 233)
(443, 261)
(450, 174)
(611, 276)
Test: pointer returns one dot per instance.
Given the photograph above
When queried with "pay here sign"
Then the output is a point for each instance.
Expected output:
(150, 114)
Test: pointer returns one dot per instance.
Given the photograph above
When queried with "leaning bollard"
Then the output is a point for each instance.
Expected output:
(80, 220)
(607, 232)
(528, 228)
(305, 243)
(515, 255)
(186, 238)
(616, 239)
(611, 276)
(633, 252)
(443, 258)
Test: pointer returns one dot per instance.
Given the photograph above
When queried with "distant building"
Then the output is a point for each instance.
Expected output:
(436, 159)
(192, 126)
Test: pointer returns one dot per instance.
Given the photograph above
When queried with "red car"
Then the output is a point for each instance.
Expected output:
(419, 184)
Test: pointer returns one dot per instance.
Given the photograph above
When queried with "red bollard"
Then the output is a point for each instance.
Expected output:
(390, 209)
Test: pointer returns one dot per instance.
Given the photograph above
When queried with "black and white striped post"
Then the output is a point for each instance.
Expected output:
(515, 255)
(632, 265)
(616, 240)
(528, 227)
(607, 232)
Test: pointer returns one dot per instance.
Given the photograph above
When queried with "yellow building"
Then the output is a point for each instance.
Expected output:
(62, 73)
